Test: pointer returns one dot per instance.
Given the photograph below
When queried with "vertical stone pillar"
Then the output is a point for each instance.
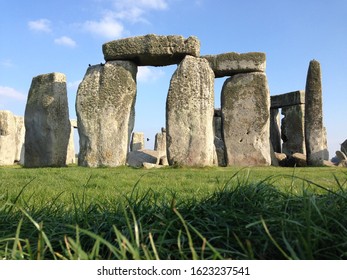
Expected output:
(275, 131)
(47, 124)
(218, 138)
(160, 142)
(105, 113)
(71, 156)
(137, 141)
(293, 130)
(245, 103)
(314, 133)
(189, 114)
(20, 138)
(7, 138)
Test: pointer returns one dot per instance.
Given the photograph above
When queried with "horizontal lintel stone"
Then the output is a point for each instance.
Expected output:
(288, 99)
(152, 50)
(228, 64)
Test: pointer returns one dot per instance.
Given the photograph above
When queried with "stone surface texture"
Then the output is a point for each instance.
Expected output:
(245, 104)
(20, 138)
(47, 124)
(189, 114)
(105, 113)
(314, 131)
(275, 131)
(288, 99)
(160, 143)
(71, 155)
(7, 138)
(152, 49)
(137, 141)
(228, 64)
(293, 130)
(137, 158)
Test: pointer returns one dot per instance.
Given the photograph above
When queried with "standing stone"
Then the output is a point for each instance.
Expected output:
(137, 141)
(218, 138)
(105, 113)
(189, 114)
(275, 131)
(292, 130)
(160, 143)
(314, 133)
(47, 124)
(7, 138)
(245, 103)
(20, 138)
(71, 156)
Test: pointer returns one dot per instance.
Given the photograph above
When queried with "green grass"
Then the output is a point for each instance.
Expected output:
(173, 213)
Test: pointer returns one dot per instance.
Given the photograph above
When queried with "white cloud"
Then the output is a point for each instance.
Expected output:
(108, 27)
(42, 25)
(112, 23)
(65, 41)
(148, 74)
(7, 63)
(12, 93)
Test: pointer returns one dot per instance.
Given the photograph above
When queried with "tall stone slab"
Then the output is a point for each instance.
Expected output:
(71, 156)
(7, 138)
(245, 104)
(47, 124)
(293, 130)
(105, 113)
(20, 138)
(275, 131)
(314, 131)
(160, 143)
(189, 114)
(137, 141)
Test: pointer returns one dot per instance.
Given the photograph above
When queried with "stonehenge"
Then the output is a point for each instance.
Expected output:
(246, 131)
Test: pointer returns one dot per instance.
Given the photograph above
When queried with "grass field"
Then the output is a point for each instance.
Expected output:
(173, 213)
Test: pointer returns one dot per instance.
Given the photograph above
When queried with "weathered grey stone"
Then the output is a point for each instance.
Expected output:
(105, 113)
(152, 49)
(297, 159)
(341, 155)
(344, 147)
(137, 158)
(7, 138)
(137, 141)
(228, 64)
(288, 99)
(281, 158)
(343, 163)
(160, 143)
(314, 133)
(245, 103)
(163, 161)
(220, 151)
(275, 131)
(47, 124)
(217, 123)
(189, 114)
(293, 130)
(20, 138)
(71, 156)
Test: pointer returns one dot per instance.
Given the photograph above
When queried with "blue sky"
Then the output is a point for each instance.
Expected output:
(41, 36)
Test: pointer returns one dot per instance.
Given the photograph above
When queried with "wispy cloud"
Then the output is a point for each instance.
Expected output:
(7, 63)
(65, 41)
(12, 93)
(108, 27)
(112, 24)
(41, 25)
(148, 74)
